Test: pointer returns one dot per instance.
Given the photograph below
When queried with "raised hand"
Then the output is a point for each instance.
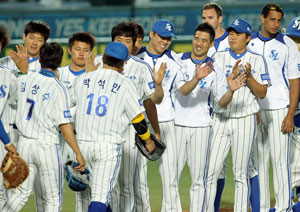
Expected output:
(89, 63)
(234, 83)
(236, 70)
(160, 74)
(20, 58)
(202, 72)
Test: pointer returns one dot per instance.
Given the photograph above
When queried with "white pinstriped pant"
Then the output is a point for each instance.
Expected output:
(43, 159)
(295, 157)
(167, 166)
(133, 193)
(192, 147)
(239, 134)
(271, 141)
(103, 161)
(2, 188)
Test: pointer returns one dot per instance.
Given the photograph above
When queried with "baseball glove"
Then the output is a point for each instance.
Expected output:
(156, 153)
(77, 181)
(15, 170)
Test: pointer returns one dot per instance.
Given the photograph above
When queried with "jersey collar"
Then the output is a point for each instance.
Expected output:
(32, 59)
(236, 56)
(153, 56)
(263, 38)
(76, 73)
(47, 73)
(199, 61)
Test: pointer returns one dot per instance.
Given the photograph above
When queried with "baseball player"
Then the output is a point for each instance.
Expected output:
(155, 54)
(212, 13)
(277, 109)
(42, 110)
(24, 61)
(80, 48)
(140, 74)
(293, 31)
(106, 103)
(7, 81)
(196, 84)
(235, 126)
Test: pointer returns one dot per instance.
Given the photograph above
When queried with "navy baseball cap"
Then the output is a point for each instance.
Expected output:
(293, 28)
(163, 28)
(241, 26)
(117, 50)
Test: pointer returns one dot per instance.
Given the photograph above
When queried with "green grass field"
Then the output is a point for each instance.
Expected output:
(156, 191)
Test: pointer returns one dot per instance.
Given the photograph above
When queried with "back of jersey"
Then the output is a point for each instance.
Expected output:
(106, 103)
(42, 105)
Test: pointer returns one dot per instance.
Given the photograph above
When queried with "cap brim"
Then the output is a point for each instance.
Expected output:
(292, 34)
(166, 35)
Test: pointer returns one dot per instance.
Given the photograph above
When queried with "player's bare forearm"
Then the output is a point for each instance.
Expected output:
(151, 112)
(258, 89)
(158, 95)
(69, 136)
(294, 96)
(287, 125)
(189, 86)
(226, 99)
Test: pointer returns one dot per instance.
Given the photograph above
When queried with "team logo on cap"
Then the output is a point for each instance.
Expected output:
(236, 22)
(168, 27)
(297, 24)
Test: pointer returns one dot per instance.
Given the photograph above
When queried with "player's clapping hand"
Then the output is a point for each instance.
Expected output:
(247, 70)
(20, 58)
(89, 63)
(204, 71)
(236, 71)
(287, 125)
(160, 74)
(234, 83)
(81, 163)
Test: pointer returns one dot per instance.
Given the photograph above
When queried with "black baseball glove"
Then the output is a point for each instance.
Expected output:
(156, 153)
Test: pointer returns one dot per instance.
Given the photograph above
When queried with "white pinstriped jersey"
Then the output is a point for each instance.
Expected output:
(106, 103)
(165, 110)
(194, 110)
(42, 105)
(34, 64)
(244, 102)
(67, 76)
(221, 44)
(139, 72)
(281, 56)
(7, 81)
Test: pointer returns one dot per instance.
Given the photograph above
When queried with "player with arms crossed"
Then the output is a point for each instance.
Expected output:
(277, 109)
(235, 125)
(150, 90)
(198, 82)
(42, 110)
(155, 54)
(106, 103)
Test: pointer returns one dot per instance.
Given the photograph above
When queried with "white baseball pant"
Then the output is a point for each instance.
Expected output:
(239, 134)
(271, 141)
